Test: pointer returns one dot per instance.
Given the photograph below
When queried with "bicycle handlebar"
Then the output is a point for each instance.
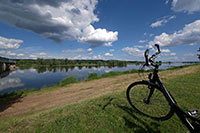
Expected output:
(151, 59)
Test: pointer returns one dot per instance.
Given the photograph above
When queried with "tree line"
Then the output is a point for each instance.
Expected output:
(68, 62)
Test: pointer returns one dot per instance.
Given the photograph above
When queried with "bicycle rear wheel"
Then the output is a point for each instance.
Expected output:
(158, 107)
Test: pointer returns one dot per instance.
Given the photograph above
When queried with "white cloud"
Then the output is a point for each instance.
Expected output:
(42, 53)
(58, 20)
(189, 6)
(172, 54)
(189, 35)
(20, 55)
(73, 50)
(33, 56)
(142, 41)
(80, 57)
(141, 46)
(98, 57)
(133, 51)
(108, 54)
(165, 50)
(90, 51)
(162, 21)
(9, 53)
(98, 37)
(6, 43)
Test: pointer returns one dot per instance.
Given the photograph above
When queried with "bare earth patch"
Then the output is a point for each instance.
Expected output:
(80, 91)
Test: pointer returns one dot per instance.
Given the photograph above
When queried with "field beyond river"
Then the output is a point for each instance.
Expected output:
(98, 104)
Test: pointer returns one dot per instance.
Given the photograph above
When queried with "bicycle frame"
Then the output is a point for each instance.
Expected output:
(183, 116)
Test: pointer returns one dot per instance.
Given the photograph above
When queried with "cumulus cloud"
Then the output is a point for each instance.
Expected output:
(90, 51)
(58, 20)
(162, 21)
(6, 43)
(98, 37)
(186, 6)
(98, 57)
(108, 54)
(165, 50)
(189, 35)
(133, 51)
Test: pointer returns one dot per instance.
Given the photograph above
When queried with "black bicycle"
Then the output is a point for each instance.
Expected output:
(150, 98)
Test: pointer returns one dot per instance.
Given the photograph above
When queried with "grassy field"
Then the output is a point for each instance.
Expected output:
(109, 113)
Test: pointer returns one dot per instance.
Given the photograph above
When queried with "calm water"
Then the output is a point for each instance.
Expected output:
(38, 78)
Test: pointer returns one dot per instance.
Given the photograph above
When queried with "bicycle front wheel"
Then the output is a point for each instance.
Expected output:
(157, 106)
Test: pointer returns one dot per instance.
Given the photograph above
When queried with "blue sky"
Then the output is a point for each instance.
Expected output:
(99, 29)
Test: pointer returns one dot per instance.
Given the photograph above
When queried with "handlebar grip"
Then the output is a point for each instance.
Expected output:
(158, 47)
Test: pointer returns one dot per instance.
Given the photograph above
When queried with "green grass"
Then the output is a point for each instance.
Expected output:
(178, 67)
(109, 113)
(67, 81)
(92, 76)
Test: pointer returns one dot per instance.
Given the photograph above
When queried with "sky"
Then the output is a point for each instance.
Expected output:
(99, 29)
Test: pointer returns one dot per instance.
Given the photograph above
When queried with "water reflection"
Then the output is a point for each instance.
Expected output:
(10, 83)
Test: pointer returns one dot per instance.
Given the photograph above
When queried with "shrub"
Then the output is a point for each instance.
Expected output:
(67, 81)
(111, 74)
(92, 76)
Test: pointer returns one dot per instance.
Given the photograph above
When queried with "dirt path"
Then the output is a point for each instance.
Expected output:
(79, 92)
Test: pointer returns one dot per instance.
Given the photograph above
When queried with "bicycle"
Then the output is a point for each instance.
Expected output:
(146, 95)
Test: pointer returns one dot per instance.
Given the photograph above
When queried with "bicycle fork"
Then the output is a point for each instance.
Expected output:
(147, 100)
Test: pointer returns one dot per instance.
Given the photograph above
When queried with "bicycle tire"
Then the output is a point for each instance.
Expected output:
(158, 108)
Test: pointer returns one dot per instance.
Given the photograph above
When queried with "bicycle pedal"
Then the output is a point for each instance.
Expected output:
(193, 112)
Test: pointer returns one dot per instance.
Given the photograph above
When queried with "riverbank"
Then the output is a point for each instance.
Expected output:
(58, 107)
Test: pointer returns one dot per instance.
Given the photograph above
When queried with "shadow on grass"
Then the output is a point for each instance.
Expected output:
(130, 123)
(7, 100)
